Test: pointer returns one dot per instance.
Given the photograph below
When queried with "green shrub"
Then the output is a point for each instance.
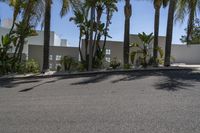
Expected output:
(68, 62)
(114, 63)
(5, 59)
(58, 68)
(81, 67)
(127, 66)
(31, 66)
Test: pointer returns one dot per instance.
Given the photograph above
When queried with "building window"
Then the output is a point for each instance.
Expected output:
(108, 59)
(50, 57)
(58, 57)
(50, 66)
(57, 65)
(108, 51)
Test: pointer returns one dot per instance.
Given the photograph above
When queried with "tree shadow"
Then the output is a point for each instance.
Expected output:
(131, 76)
(171, 80)
(33, 87)
(174, 81)
(10, 83)
(172, 85)
(92, 79)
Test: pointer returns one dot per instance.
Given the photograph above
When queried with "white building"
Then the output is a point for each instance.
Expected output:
(55, 40)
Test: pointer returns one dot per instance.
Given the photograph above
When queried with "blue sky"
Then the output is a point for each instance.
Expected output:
(142, 20)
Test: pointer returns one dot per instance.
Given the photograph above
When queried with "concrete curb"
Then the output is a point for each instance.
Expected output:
(93, 73)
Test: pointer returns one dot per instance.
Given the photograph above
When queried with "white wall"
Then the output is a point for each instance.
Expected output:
(186, 54)
(63, 42)
(57, 40)
(39, 39)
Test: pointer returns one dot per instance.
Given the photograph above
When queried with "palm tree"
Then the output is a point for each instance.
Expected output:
(111, 7)
(170, 21)
(190, 7)
(30, 14)
(128, 13)
(157, 6)
(92, 5)
(47, 25)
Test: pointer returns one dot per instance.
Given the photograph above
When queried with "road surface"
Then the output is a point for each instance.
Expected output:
(137, 102)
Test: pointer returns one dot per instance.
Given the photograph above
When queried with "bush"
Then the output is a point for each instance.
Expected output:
(114, 63)
(31, 66)
(58, 68)
(81, 67)
(127, 66)
(5, 59)
(68, 62)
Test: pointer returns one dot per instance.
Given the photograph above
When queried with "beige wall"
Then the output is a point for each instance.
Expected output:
(116, 47)
(186, 54)
(161, 41)
(36, 53)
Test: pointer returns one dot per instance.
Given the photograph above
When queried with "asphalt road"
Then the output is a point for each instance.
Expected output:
(145, 102)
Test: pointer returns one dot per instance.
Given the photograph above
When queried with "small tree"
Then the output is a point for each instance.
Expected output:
(195, 34)
(143, 50)
(67, 62)
(93, 29)
(114, 64)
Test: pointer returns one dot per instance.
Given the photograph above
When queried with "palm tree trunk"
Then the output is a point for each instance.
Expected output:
(170, 22)
(127, 12)
(47, 25)
(91, 37)
(106, 28)
(79, 46)
(156, 34)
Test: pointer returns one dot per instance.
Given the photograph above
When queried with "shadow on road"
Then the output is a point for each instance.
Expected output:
(31, 88)
(93, 79)
(173, 80)
(10, 83)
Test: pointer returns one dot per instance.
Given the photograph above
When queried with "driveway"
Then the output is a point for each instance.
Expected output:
(137, 102)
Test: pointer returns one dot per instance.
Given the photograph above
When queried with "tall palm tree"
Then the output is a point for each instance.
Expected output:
(92, 19)
(47, 25)
(170, 22)
(190, 7)
(111, 7)
(127, 13)
(92, 5)
(29, 12)
(157, 6)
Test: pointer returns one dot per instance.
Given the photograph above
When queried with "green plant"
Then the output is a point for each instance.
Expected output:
(58, 68)
(160, 59)
(31, 66)
(114, 64)
(81, 67)
(142, 49)
(127, 66)
(92, 27)
(195, 35)
(5, 58)
(68, 63)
